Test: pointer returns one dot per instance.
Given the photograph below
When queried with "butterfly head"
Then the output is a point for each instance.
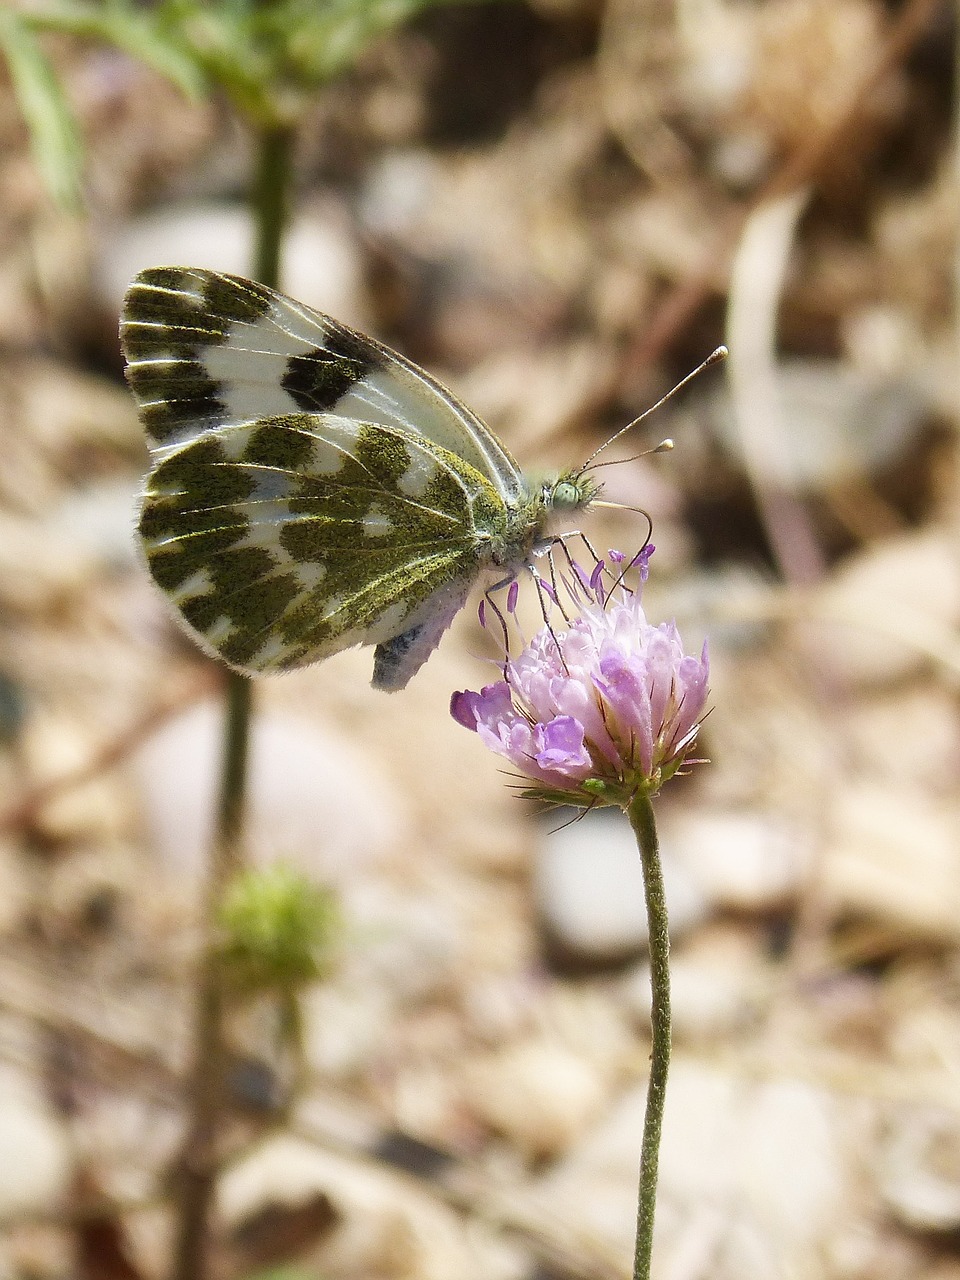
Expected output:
(570, 491)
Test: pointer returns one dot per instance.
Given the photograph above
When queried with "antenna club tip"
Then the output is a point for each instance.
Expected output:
(664, 446)
(721, 353)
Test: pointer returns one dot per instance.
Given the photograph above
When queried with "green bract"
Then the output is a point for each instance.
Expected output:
(277, 930)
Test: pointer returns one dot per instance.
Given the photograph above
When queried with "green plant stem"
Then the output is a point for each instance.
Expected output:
(207, 1101)
(269, 201)
(645, 829)
(270, 198)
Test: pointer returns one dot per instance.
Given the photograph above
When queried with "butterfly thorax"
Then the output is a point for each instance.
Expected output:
(530, 523)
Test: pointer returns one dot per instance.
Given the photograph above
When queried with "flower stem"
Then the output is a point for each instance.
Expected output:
(206, 1102)
(270, 199)
(645, 829)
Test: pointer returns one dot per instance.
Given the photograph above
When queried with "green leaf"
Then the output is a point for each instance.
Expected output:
(143, 37)
(322, 40)
(223, 40)
(54, 136)
(153, 36)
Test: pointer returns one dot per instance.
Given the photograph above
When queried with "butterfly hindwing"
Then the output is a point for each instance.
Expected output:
(292, 538)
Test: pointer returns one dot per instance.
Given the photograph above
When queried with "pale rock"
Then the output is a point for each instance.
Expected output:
(917, 714)
(885, 340)
(738, 859)
(67, 410)
(497, 1006)
(385, 1226)
(464, 815)
(538, 1094)
(717, 985)
(918, 1008)
(887, 606)
(404, 951)
(726, 604)
(35, 1157)
(314, 800)
(126, 1142)
(99, 521)
(823, 405)
(86, 886)
(150, 1233)
(752, 1176)
(892, 855)
(426, 1098)
(666, 233)
(320, 261)
(588, 889)
(584, 1018)
(399, 190)
(741, 158)
(38, 574)
(15, 887)
(38, 1250)
(534, 402)
(918, 1169)
(95, 810)
(406, 945)
(345, 1027)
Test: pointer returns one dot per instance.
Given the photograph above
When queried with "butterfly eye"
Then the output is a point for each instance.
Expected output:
(566, 494)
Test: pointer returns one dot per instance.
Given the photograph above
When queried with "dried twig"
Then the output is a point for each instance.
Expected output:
(803, 168)
(24, 811)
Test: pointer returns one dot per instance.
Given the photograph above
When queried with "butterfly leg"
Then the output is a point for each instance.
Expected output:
(542, 589)
(554, 596)
(597, 559)
(498, 613)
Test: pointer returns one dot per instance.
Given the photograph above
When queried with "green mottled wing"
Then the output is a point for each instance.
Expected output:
(288, 540)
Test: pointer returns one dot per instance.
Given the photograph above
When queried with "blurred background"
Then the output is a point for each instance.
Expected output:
(559, 207)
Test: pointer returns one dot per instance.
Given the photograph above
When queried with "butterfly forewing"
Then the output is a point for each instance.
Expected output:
(208, 349)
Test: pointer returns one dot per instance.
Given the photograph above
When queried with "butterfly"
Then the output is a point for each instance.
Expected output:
(310, 489)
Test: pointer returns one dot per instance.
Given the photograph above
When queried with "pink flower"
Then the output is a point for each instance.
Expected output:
(599, 712)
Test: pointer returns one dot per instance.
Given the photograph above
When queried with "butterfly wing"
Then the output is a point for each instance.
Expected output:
(311, 489)
(209, 350)
(286, 540)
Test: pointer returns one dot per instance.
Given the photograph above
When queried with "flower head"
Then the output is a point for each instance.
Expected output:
(278, 928)
(601, 711)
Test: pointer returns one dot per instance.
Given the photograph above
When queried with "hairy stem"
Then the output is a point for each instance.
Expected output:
(270, 200)
(645, 829)
(200, 1157)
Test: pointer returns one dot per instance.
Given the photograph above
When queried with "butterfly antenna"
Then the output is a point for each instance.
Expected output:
(663, 447)
(714, 358)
